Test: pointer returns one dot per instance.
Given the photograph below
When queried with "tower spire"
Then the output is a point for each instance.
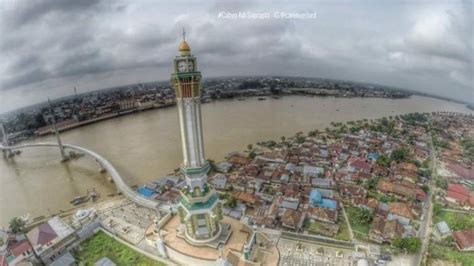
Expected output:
(184, 35)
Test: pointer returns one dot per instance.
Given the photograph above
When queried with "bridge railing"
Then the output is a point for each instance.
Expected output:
(118, 180)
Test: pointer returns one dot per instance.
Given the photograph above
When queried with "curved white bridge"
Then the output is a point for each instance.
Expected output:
(118, 180)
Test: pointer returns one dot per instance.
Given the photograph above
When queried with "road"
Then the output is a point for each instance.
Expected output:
(425, 227)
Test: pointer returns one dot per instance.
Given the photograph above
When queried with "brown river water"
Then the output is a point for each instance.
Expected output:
(146, 145)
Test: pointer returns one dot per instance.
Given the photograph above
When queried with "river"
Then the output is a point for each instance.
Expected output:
(146, 145)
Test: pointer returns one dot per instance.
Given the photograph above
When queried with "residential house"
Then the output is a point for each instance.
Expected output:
(464, 239)
(383, 231)
(219, 181)
(312, 171)
(292, 219)
(400, 211)
(19, 252)
(358, 164)
(460, 195)
(443, 229)
(51, 239)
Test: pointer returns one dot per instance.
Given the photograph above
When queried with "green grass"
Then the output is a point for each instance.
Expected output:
(343, 233)
(455, 220)
(101, 245)
(451, 254)
(360, 228)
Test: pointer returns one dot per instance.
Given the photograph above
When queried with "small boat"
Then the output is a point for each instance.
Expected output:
(241, 99)
(261, 98)
(79, 200)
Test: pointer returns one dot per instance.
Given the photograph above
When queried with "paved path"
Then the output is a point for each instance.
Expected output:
(116, 177)
(461, 211)
(347, 222)
(425, 227)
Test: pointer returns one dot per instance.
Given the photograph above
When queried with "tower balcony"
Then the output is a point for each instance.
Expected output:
(191, 198)
(195, 171)
(205, 203)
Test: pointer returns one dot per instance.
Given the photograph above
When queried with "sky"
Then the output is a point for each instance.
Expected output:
(49, 47)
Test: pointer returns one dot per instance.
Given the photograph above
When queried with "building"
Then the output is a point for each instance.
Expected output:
(383, 231)
(19, 252)
(443, 228)
(293, 219)
(464, 240)
(460, 195)
(219, 181)
(51, 239)
(199, 209)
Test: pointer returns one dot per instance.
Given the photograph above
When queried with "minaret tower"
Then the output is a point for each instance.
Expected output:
(199, 208)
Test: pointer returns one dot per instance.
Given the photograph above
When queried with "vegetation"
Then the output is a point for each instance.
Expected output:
(361, 216)
(359, 219)
(101, 245)
(16, 225)
(384, 160)
(414, 118)
(442, 183)
(343, 233)
(468, 148)
(437, 209)
(408, 244)
(400, 154)
(231, 202)
(455, 220)
(445, 250)
(372, 183)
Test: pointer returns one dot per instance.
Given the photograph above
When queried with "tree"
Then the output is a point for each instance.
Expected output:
(362, 216)
(252, 155)
(373, 181)
(442, 183)
(383, 160)
(399, 154)
(231, 202)
(437, 209)
(408, 244)
(250, 147)
(312, 133)
(425, 188)
(17, 225)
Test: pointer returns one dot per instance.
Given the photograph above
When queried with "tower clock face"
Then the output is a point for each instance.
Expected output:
(181, 66)
(190, 66)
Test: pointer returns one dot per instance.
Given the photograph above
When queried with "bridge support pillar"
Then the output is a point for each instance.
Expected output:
(101, 167)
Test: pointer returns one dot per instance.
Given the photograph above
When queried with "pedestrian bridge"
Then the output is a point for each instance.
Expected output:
(118, 180)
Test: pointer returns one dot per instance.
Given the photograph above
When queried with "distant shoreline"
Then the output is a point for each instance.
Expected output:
(48, 130)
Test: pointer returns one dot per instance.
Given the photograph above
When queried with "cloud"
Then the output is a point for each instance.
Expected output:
(52, 44)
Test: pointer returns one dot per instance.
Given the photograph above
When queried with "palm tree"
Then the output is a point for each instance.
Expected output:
(16, 225)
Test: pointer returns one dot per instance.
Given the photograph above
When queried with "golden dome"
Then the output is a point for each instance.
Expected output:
(184, 47)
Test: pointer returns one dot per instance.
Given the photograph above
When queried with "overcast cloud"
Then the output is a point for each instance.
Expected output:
(48, 47)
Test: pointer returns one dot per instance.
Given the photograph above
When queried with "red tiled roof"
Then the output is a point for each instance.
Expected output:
(20, 247)
(464, 239)
(458, 189)
(401, 209)
(457, 196)
(359, 163)
(461, 171)
(3, 261)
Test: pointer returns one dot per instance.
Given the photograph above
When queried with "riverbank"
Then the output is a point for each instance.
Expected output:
(146, 145)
